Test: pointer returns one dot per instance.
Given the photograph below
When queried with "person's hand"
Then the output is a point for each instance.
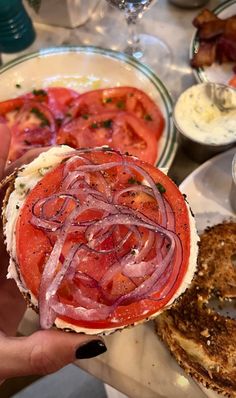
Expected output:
(43, 352)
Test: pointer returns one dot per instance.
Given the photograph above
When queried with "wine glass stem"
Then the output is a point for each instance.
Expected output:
(133, 48)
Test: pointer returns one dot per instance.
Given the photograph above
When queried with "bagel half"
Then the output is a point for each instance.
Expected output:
(23, 182)
(202, 340)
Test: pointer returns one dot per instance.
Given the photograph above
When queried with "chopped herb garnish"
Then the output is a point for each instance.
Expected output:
(147, 117)
(40, 92)
(40, 115)
(43, 170)
(132, 180)
(160, 187)
(21, 185)
(94, 125)
(68, 114)
(107, 123)
(85, 116)
(18, 85)
(107, 100)
(120, 105)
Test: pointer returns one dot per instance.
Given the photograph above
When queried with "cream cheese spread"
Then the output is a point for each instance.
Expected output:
(207, 116)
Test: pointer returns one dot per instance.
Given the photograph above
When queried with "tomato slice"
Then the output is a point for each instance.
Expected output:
(56, 98)
(31, 123)
(118, 130)
(121, 99)
(35, 245)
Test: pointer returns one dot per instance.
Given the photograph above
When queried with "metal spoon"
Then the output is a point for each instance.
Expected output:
(224, 97)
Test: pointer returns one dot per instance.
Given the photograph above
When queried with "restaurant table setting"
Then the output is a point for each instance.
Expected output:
(91, 45)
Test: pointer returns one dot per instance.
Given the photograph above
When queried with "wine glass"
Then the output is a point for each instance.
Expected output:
(147, 48)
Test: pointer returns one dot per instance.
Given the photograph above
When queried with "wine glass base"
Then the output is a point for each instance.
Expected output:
(153, 52)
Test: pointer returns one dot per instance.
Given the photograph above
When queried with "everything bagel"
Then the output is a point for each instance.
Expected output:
(201, 340)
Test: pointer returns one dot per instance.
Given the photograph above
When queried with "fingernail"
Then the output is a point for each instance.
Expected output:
(91, 349)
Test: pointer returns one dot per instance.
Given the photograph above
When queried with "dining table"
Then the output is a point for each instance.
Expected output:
(137, 363)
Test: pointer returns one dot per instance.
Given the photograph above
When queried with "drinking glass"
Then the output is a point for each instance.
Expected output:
(147, 48)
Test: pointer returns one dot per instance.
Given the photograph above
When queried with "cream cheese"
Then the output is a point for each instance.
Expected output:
(26, 179)
(28, 176)
(199, 115)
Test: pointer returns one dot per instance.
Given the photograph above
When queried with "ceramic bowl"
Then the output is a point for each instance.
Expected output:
(86, 68)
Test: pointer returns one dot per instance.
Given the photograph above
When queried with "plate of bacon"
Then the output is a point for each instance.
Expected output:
(213, 47)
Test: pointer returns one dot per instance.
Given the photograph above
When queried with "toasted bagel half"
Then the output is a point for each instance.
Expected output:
(202, 340)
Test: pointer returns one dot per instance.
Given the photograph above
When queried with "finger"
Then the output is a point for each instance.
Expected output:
(25, 159)
(5, 139)
(45, 352)
(12, 306)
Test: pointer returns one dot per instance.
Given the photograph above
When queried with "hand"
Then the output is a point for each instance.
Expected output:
(43, 352)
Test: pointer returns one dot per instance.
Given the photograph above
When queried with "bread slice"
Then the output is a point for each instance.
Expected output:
(202, 340)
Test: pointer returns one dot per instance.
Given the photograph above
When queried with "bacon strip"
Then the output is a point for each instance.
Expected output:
(217, 39)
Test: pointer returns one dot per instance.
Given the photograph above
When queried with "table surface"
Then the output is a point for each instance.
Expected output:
(136, 362)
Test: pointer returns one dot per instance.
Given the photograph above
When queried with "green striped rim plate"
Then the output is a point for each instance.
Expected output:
(85, 68)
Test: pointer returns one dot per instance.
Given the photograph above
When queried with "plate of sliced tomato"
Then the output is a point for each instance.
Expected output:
(87, 97)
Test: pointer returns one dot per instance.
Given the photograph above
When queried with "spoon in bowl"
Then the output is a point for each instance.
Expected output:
(222, 96)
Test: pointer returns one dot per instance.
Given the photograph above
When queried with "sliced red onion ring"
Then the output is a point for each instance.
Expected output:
(155, 279)
(139, 270)
(87, 280)
(47, 315)
(70, 177)
(81, 313)
(124, 219)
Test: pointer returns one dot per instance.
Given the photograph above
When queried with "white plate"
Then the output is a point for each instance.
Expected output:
(215, 73)
(208, 188)
(87, 68)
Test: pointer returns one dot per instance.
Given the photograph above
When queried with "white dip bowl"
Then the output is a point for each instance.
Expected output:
(205, 116)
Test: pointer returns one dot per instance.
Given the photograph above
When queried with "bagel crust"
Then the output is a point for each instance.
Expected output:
(201, 340)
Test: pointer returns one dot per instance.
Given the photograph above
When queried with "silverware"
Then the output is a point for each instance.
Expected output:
(222, 96)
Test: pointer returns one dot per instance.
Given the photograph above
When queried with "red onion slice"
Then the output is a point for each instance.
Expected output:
(81, 313)
(47, 315)
(70, 177)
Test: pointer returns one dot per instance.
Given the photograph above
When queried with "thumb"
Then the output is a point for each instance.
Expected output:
(45, 352)
(28, 156)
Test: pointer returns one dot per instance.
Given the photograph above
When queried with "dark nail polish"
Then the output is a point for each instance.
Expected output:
(91, 349)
